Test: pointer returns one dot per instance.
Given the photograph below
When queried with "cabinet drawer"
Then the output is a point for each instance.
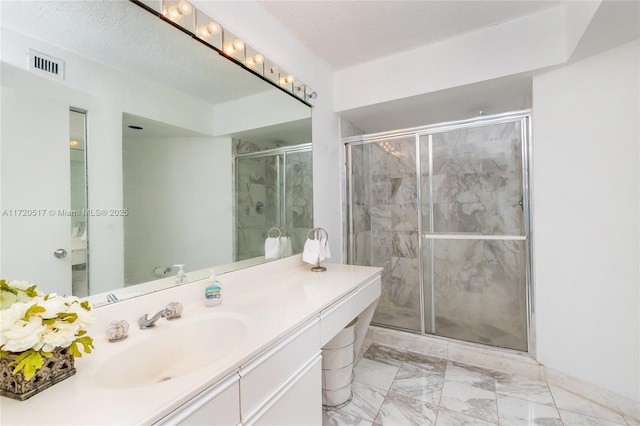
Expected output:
(217, 405)
(335, 318)
(261, 377)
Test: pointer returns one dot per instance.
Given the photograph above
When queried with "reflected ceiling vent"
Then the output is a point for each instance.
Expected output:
(45, 64)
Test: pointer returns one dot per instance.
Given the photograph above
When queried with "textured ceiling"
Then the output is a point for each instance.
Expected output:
(346, 33)
(123, 35)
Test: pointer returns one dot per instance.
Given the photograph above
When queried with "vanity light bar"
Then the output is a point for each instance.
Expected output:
(190, 19)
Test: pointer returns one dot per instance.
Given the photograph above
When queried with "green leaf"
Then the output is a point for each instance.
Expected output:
(81, 333)
(49, 321)
(87, 344)
(29, 362)
(4, 286)
(86, 305)
(32, 291)
(67, 316)
(33, 309)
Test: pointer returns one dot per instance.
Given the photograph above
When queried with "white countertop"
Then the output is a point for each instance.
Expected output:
(274, 298)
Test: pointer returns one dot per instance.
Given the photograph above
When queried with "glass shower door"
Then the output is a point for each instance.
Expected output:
(384, 225)
(298, 200)
(272, 191)
(474, 234)
(258, 188)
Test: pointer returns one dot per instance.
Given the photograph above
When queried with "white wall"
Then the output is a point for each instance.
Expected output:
(260, 30)
(586, 219)
(530, 42)
(163, 179)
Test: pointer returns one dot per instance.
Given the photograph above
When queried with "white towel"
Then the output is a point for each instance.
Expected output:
(325, 252)
(272, 248)
(311, 251)
(285, 247)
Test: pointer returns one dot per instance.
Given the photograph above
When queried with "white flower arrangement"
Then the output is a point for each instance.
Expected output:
(33, 324)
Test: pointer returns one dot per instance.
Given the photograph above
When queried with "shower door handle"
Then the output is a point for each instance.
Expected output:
(519, 203)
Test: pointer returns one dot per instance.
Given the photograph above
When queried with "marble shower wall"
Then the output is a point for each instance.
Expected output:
(480, 291)
(477, 180)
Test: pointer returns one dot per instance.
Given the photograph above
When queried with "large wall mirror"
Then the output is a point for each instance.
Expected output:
(144, 150)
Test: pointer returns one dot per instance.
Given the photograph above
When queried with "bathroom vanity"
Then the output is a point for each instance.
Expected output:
(256, 359)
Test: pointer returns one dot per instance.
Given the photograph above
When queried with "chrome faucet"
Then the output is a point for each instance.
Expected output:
(172, 311)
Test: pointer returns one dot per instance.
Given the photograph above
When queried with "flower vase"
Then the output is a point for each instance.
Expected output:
(55, 369)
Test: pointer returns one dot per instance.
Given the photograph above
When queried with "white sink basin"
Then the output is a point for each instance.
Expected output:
(170, 350)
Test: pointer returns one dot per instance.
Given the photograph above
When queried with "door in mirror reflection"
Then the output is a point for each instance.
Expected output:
(39, 163)
(272, 200)
(79, 207)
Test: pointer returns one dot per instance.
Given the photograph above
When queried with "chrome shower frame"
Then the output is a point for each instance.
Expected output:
(281, 176)
(524, 117)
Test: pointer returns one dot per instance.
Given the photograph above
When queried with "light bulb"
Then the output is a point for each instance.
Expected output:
(185, 7)
(213, 28)
(238, 44)
(250, 62)
(229, 50)
(290, 78)
(174, 13)
(283, 81)
(203, 32)
(73, 143)
(259, 59)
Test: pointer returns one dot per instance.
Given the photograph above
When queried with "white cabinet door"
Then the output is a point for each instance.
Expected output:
(220, 405)
(268, 372)
(298, 403)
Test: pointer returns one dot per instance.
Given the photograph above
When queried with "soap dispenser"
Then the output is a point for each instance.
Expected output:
(181, 275)
(213, 291)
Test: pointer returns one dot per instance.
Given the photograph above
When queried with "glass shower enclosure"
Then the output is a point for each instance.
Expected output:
(272, 190)
(444, 209)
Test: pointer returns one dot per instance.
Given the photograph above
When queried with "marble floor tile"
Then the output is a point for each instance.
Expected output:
(568, 401)
(366, 402)
(393, 387)
(470, 400)
(473, 376)
(399, 409)
(375, 373)
(515, 411)
(418, 362)
(576, 419)
(632, 422)
(420, 385)
(523, 388)
(452, 418)
(339, 418)
(385, 354)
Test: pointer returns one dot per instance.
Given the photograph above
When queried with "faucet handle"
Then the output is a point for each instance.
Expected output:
(174, 310)
(117, 331)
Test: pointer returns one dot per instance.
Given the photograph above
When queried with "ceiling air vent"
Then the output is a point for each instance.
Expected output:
(45, 64)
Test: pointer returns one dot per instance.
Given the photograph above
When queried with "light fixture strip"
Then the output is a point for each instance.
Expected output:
(200, 25)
